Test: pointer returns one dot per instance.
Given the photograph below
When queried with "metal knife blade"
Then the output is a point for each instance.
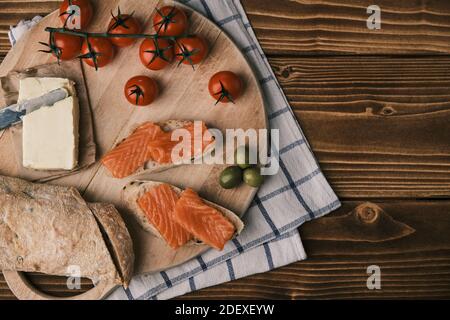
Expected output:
(13, 114)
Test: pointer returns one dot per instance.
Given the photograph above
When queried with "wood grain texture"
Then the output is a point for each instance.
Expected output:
(175, 102)
(313, 26)
(24, 289)
(380, 126)
(395, 105)
(13, 11)
(409, 240)
(392, 98)
(340, 26)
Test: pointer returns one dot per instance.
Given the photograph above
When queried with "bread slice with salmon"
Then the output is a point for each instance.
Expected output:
(180, 217)
(149, 148)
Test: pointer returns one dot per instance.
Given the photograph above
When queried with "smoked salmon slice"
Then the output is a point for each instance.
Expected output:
(158, 205)
(150, 142)
(204, 222)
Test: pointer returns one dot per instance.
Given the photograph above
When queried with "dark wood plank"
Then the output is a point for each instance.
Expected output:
(409, 240)
(317, 27)
(339, 26)
(380, 126)
(13, 11)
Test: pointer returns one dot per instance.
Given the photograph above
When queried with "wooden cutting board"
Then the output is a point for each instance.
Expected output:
(184, 96)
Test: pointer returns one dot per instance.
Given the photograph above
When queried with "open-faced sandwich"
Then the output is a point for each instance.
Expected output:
(50, 229)
(180, 217)
(150, 147)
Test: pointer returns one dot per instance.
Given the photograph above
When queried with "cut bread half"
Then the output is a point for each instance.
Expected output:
(117, 239)
(51, 228)
(136, 189)
(153, 166)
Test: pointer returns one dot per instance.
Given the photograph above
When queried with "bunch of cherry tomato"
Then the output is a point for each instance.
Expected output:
(156, 52)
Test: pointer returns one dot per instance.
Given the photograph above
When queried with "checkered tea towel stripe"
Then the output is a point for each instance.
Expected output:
(298, 193)
(283, 250)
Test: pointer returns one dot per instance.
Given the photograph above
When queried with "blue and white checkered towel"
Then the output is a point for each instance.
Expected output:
(298, 193)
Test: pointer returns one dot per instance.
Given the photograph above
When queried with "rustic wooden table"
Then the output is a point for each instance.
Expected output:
(375, 105)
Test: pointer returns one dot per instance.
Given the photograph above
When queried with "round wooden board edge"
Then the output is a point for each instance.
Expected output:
(24, 290)
(17, 282)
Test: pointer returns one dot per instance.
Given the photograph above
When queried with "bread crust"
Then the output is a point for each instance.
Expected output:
(119, 240)
(47, 229)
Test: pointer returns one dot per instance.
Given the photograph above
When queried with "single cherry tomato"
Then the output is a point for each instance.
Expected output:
(123, 24)
(156, 54)
(141, 90)
(225, 86)
(63, 46)
(68, 14)
(191, 50)
(170, 21)
(101, 54)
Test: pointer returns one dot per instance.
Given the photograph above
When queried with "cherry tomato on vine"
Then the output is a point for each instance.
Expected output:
(156, 54)
(191, 50)
(101, 54)
(170, 21)
(225, 87)
(66, 13)
(141, 90)
(63, 46)
(123, 24)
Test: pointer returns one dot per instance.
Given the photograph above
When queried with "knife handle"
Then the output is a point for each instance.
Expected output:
(10, 117)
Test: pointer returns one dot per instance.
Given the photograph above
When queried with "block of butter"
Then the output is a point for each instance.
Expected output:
(50, 134)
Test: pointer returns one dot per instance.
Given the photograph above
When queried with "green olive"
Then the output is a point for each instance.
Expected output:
(242, 157)
(253, 177)
(231, 177)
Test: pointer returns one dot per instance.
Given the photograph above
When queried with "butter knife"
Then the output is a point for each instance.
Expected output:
(13, 114)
